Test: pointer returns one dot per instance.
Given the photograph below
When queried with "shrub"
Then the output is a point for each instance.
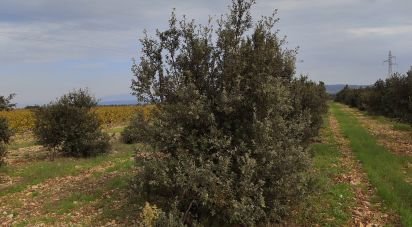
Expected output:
(230, 141)
(149, 215)
(69, 126)
(171, 219)
(137, 130)
(5, 134)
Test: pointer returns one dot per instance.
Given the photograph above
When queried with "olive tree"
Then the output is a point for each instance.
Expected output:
(228, 137)
(310, 97)
(69, 126)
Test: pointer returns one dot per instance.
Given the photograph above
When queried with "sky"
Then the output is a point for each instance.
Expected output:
(49, 47)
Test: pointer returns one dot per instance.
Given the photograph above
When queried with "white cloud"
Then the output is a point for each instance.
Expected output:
(48, 41)
(307, 4)
(380, 31)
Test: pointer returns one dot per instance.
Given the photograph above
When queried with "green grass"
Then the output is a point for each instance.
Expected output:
(121, 164)
(118, 129)
(44, 221)
(76, 199)
(400, 126)
(127, 208)
(79, 198)
(21, 144)
(37, 172)
(330, 202)
(107, 190)
(22, 224)
(379, 118)
(386, 171)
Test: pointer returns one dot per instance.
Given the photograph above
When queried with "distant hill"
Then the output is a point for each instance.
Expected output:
(123, 99)
(127, 99)
(335, 88)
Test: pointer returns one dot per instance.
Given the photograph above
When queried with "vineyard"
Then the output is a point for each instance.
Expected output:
(22, 120)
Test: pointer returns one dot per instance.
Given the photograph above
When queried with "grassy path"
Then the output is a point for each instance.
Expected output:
(330, 202)
(395, 136)
(388, 172)
(342, 193)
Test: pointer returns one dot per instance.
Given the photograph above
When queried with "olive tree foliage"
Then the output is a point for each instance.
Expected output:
(138, 129)
(5, 102)
(310, 97)
(5, 135)
(228, 135)
(69, 126)
(5, 131)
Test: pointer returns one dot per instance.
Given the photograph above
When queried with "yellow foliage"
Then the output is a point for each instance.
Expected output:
(149, 215)
(22, 120)
(19, 120)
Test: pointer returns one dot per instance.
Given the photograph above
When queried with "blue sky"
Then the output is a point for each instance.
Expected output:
(48, 47)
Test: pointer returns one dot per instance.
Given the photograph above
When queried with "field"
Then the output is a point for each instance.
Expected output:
(362, 176)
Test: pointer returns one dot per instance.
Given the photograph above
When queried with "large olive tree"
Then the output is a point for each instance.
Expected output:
(229, 139)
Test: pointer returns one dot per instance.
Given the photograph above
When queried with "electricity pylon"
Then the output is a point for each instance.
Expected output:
(391, 62)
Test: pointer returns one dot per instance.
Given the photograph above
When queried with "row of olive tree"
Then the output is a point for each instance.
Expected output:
(392, 97)
(231, 125)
